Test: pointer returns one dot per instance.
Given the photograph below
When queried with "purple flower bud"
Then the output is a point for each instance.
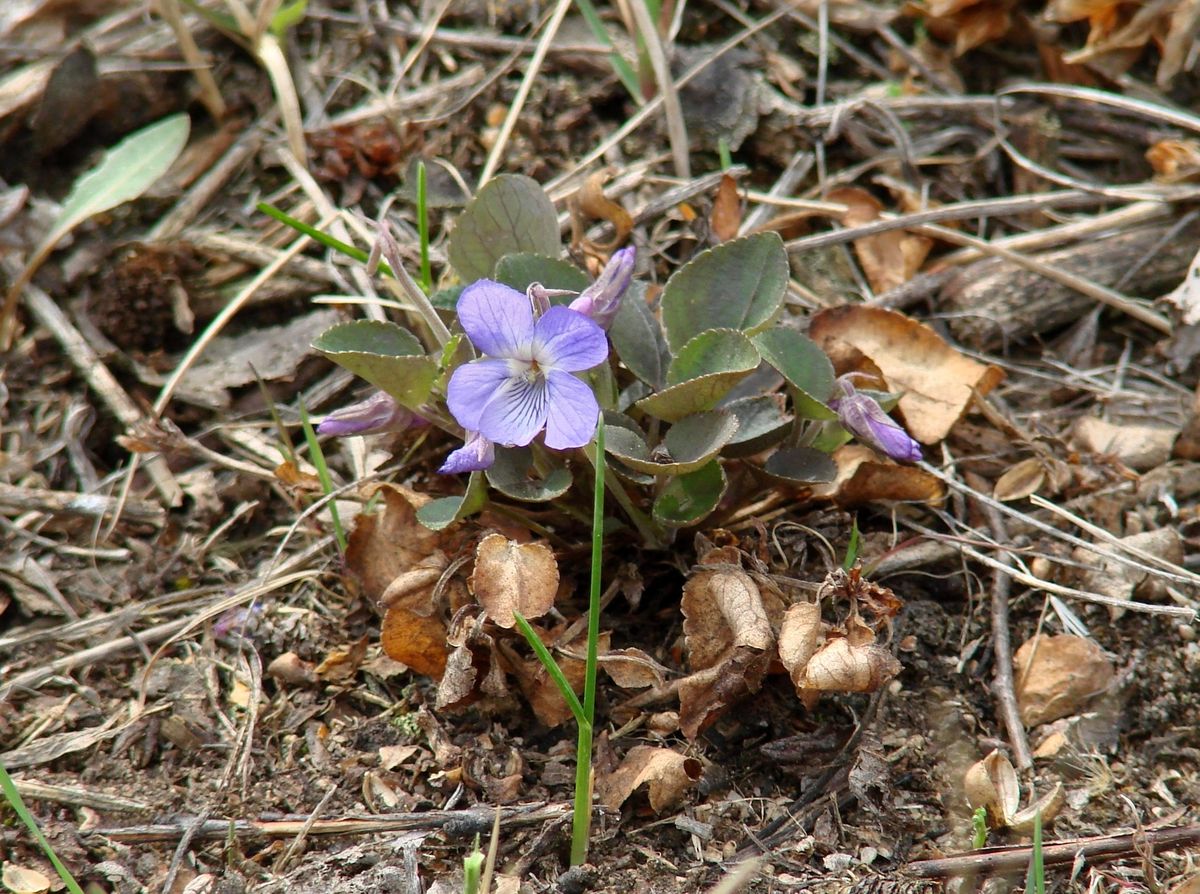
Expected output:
(477, 454)
(602, 299)
(378, 413)
(865, 419)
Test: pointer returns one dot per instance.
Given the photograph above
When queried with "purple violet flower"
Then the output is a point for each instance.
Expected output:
(860, 415)
(524, 383)
(477, 454)
(602, 299)
(378, 413)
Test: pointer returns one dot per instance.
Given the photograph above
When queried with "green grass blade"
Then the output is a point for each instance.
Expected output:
(9, 788)
(318, 459)
(852, 547)
(581, 823)
(316, 235)
(552, 668)
(423, 229)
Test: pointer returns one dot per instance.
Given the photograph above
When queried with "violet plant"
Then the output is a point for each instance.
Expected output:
(714, 375)
(547, 368)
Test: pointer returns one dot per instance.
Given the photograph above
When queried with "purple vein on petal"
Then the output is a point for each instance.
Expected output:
(572, 411)
(566, 339)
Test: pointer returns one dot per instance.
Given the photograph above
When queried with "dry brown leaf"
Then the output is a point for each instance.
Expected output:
(1057, 675)
(21, 880)
(590, 203)
(665, 774)
(540, 689)
(841, 666)
(935, 379)
(861, 478)
(294, 479)
(1140, 447)
(888, 259)
(726, 608)
(473, 668)
(418, 641)
(726, 217)
(391, 541)
(341, 664)
(1118, 580)
(1020, 481)
(291, 668)
(707, 694)
(1179, 41)
(514, 577)
(632, 668)
(992, 784)
(799, 636)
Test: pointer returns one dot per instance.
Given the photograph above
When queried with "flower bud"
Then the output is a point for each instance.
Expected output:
(378, 413)
(477, 454)
(602, 299)
(860, 415)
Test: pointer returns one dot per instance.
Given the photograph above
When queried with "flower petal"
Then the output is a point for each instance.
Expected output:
(497, 319)
(516, 411)
(573, 412)
(477, 454)
(565, 339)
(866, 420)
(472, 386)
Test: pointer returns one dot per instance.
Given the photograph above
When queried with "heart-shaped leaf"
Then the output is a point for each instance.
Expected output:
(510, 214)
(762, 423)
(739, 285)
(510, 474)
(386, 355)
(525, 268)
(702, 373)
(638, 339)
(804, 365)
(514, 577)
(800, 465)
(690, 443)
(443, 512)
(688, 499)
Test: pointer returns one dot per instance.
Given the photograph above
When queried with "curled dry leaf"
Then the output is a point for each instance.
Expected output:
(1021, 480)
(632, 668)
(888, 259)
(473, 668)
(418, 641)
(665, 774)
(726, 216)
(342, 664)
(21, 880)
(590, 203)
(861, 478)
(514, 577)
(1175, 161)
(842, 666)
(1056, 675)
(799, 637)
(727, 608)
(992, 784)
(291, 668)
(935, 379)
(708, 693)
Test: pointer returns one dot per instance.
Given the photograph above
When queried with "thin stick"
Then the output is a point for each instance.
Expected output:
(1002, 684)
(518, 103)
(62, 502)
(1001, 860)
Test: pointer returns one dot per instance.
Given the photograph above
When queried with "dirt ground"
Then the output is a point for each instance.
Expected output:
(193, 691)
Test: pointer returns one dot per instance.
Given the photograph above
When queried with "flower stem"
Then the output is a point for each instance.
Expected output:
(582, 820)
(652, 536)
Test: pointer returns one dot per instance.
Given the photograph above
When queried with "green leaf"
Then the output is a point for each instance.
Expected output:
(441, 513)
(689, 498)
(523, 269)
(510, 475)
(638, 339)
(762, 423)
(386, 355)
(738, 285)
(447, 298)
(124, 172)
(510, 214)
(800, 465)
(288, 16)
(702, 373)
(805, 366)
(690, 444)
